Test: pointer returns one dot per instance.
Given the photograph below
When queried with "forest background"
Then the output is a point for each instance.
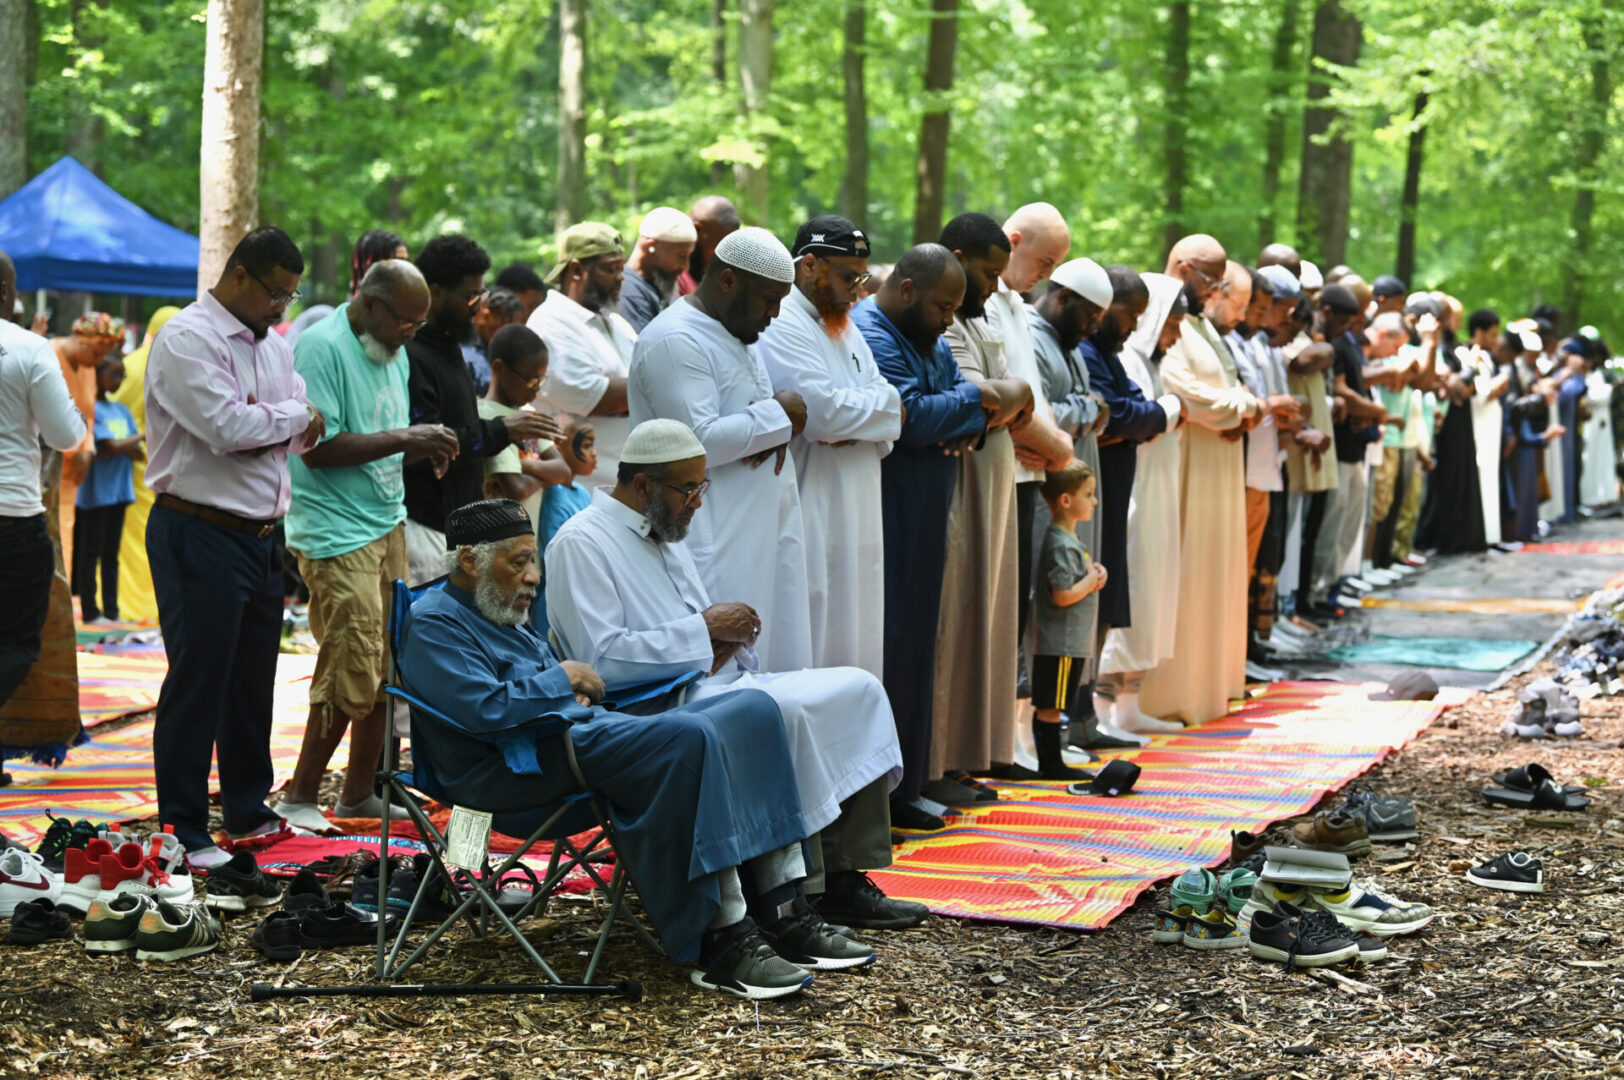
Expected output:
(1463, 144)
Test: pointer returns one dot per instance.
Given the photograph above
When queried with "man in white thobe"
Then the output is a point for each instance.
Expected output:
(589, 349)
(696, 363)
(627, 600)
(853, 415)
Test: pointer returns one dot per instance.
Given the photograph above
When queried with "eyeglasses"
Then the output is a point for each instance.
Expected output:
(850, 280)
(1215, 284)
(278, 299)
(406, 325)
(689, 494)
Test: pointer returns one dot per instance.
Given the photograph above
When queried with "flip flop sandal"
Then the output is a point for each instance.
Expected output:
(1545, 793)
(1523, 779)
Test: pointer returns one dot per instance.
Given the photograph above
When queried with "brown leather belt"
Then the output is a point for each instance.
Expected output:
(261, 529)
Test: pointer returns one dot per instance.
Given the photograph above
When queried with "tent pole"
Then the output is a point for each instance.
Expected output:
(39, 303)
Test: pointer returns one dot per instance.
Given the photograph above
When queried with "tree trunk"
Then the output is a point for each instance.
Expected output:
(232, 68)
(756, 75)
(1592, 141)
(13, 96)
(930, 168)
(1175, 133)
(85, 136)
(854, 192)
(1411, 201)
(1274, 137)
(571, 114)
(1324, 187)
(719, 72)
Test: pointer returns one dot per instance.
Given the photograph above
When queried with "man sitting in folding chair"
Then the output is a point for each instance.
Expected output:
(692, 792)
(625, 596)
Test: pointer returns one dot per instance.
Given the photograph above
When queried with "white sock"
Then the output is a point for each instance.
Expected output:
(1131, 719)
(1104, 722)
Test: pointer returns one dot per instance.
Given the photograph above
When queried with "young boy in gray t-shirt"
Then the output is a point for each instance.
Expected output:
(1066, 583)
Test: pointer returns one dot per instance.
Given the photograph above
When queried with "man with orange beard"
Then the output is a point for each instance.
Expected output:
(853, 415)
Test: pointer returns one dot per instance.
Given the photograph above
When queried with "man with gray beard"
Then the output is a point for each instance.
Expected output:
(345, 522)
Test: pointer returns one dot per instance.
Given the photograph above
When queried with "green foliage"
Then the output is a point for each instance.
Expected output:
(428, 115)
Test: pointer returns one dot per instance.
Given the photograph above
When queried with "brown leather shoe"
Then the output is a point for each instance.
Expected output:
(1243, 845)
(1331, 830)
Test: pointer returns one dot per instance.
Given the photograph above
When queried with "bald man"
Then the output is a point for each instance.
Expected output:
(1038, 242)
(1208, 666)
(714, 217)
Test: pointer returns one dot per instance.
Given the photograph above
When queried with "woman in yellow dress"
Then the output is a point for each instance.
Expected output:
(136, 600)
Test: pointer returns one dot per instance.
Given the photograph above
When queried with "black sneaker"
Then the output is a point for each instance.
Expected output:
(738, 960)
(37, 921)
(337, 925)
(305, 893)
(278, 937)
(1515, 871)
(439, 900)
(806, 940)
(53, 845)
(1284, 936)
(239, 885)
(854, 900)
(364, 890)
(1371, 947)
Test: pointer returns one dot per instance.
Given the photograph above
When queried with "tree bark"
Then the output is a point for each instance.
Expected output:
(1274, 136)
(719, 72)
(854, 192)
(1175, 132)
(13, 96)
(85, 137)
(232, 69)
(1592, 142)
(930, 167)
(1324, 187)
(756, 76)
(1410, 202)
(571, 114)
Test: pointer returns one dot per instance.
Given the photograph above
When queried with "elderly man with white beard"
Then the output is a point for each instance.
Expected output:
(852, 417)
(625, 597)
(345, 523)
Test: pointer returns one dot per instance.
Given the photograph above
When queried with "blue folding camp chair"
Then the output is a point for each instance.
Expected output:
(575, 813)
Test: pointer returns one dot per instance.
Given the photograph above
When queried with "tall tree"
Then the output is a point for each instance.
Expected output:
(1281, 72)
(86, 136)
(719, 72)
(1592, 141)
(854, 192)
(13, 95)
(1410, 201)
(930, 167)
(756, 76)
(1176, 131)
(229, 188)
(572, 200)
(1324, 188)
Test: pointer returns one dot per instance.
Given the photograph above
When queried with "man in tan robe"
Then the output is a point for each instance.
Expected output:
(1208, 666)
(977, 633)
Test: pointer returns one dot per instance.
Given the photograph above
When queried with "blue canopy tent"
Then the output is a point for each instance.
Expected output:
(67, 231)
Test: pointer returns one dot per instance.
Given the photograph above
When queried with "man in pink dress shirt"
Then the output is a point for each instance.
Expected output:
(224, 410)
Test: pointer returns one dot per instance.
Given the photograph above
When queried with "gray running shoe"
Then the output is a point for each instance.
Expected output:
(806, 939)
(1388, 818)
(740, 961)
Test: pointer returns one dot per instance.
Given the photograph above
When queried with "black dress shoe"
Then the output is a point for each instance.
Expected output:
(905, 815)
(951, 793)
(851, 898)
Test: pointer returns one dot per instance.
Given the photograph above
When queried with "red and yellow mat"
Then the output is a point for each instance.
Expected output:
(1041, 855)
(1575, 547)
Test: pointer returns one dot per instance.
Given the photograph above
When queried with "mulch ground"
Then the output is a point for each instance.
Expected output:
(1498, 985)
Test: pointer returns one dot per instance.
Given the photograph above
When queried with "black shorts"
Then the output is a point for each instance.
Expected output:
(1057, 680)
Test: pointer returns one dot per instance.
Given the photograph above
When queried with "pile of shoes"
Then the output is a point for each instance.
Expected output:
(1388, 819)
(1307, 911)
(1589, 659)
(1544, 707)
(1202, 909)
(311, 919)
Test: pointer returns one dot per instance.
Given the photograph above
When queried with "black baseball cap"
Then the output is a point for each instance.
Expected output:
(1388, 285)
(830, 234)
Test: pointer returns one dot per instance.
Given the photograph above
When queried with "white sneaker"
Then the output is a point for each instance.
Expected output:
(1364, 907)
(23, 877)
(1358, 585)
(1259, 673)
(1126, 715)
(1264, 896)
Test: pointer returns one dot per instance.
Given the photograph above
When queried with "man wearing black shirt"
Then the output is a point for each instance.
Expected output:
(442, 392)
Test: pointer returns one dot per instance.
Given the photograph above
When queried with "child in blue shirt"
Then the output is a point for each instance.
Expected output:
(564, 501)
(109, 487)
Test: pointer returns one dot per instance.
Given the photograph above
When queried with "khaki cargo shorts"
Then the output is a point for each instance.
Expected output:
(349, 611)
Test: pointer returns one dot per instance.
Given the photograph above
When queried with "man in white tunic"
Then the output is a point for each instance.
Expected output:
(696, 362)
(627, 600)
(589, 348)
(853, 415)
(1208, 666)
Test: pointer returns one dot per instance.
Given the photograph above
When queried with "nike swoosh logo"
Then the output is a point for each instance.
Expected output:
(38, 886)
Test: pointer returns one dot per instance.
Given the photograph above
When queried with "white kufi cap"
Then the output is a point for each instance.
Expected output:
(1087, 279)
(668, 224)
(1311, 277)
(759, 252)
(656, 442)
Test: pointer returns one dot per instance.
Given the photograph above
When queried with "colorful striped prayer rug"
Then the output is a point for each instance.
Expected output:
(1041, 855)
(1575, 547)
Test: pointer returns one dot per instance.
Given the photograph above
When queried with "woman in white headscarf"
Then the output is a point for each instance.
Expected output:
(1153, 519)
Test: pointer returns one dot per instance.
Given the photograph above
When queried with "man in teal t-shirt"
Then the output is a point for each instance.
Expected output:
(344, 524)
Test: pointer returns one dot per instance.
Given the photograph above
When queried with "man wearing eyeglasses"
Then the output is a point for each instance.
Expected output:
(225, 407)
(853, 415)
(346, 524)
(442, 392)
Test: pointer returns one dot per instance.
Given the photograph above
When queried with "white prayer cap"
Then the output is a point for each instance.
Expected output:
(1286, 285)
(1311, 277)
(656, 442)
(1530, 341)
(759, 252)
(1086, 278)
(669, 224)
